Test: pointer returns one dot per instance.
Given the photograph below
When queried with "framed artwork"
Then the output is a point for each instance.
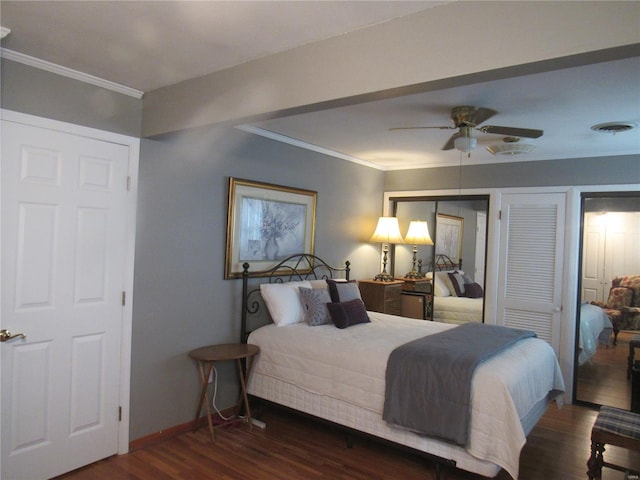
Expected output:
(267, 223)
(449, 231)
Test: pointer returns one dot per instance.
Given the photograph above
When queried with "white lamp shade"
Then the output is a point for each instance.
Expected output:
(465, 144)
(387, 231)
(418, 234)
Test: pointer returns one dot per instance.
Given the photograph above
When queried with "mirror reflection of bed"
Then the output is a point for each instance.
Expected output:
(610, 249)
(464, 255)
(457, 297)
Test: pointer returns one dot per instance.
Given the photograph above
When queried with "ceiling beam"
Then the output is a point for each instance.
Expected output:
(452, 42)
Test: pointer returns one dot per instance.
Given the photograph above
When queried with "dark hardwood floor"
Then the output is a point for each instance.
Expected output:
(293, 447)
(603, 379)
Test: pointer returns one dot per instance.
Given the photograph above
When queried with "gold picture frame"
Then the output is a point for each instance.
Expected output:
(267, 223)
(449, 230)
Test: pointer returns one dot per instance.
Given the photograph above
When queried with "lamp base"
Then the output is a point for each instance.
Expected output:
(414, 274)
(384, 277)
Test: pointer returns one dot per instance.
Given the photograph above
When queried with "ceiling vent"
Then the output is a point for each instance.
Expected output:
(613, 127)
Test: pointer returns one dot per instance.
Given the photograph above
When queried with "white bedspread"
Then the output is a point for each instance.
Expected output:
(457, 310)
(595, 327)
(350, 365)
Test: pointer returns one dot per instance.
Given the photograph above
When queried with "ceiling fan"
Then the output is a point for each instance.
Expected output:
(467, 119)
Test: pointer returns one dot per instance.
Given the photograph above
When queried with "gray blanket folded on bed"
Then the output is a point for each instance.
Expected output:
(428, 381)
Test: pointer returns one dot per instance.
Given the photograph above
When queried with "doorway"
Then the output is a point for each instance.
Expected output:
(609, 249)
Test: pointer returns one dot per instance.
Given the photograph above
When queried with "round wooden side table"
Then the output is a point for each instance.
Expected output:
(206, 357)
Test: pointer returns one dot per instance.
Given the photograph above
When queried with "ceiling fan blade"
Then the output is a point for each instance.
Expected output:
(511, 131)
(449, 145)
(419, 128)
(480, 115)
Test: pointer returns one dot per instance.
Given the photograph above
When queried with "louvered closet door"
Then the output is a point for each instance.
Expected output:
(531, 251)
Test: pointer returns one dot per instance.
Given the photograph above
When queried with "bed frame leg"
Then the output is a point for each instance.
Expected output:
(257, 407)
(349, 439)
(438, 471)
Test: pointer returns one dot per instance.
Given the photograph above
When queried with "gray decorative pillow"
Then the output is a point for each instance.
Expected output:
(341, 291)
(347, 314)
(315, 302)
(458, 281)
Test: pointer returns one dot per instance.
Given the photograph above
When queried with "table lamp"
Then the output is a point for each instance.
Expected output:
(418, 234)
(387, 232)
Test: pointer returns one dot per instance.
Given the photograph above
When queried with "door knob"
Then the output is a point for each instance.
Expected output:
(7, 335)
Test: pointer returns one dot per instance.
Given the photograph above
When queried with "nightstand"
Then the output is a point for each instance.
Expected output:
(383, 297)
(416, 301)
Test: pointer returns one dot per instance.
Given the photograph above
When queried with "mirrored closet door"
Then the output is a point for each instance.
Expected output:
(605, 328)
(458, 228)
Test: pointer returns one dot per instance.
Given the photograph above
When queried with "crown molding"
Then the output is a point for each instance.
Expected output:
(308, 146)
(69, 73)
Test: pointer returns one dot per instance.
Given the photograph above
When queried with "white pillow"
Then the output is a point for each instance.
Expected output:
(440, 288)
(284, 302)
(322, 283)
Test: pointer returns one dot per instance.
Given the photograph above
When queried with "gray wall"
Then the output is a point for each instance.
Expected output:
(36, 92)
(181, 300)
(575, 171)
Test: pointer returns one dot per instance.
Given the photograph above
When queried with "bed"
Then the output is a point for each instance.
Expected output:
(457, 310)
(455, 301)
(595, 329)
(338, 374)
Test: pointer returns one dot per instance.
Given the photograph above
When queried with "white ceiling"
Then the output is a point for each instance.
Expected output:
(150, 44)
(562, 103)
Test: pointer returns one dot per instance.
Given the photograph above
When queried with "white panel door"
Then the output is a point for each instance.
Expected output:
(531, 257)
(63, 251)
(593, 276)
(622, 252)
(481, 246)
(611, 249)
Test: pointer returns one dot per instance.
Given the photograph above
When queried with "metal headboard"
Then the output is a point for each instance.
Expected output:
(444, 262)
(298, 267)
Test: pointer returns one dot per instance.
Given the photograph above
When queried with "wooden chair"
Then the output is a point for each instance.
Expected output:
(617, 427)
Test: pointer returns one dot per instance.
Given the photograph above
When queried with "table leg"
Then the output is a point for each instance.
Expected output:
(204, 398)
(243, 387)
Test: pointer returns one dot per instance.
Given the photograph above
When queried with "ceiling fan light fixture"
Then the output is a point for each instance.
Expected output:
(510, 148)
(465, 144)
